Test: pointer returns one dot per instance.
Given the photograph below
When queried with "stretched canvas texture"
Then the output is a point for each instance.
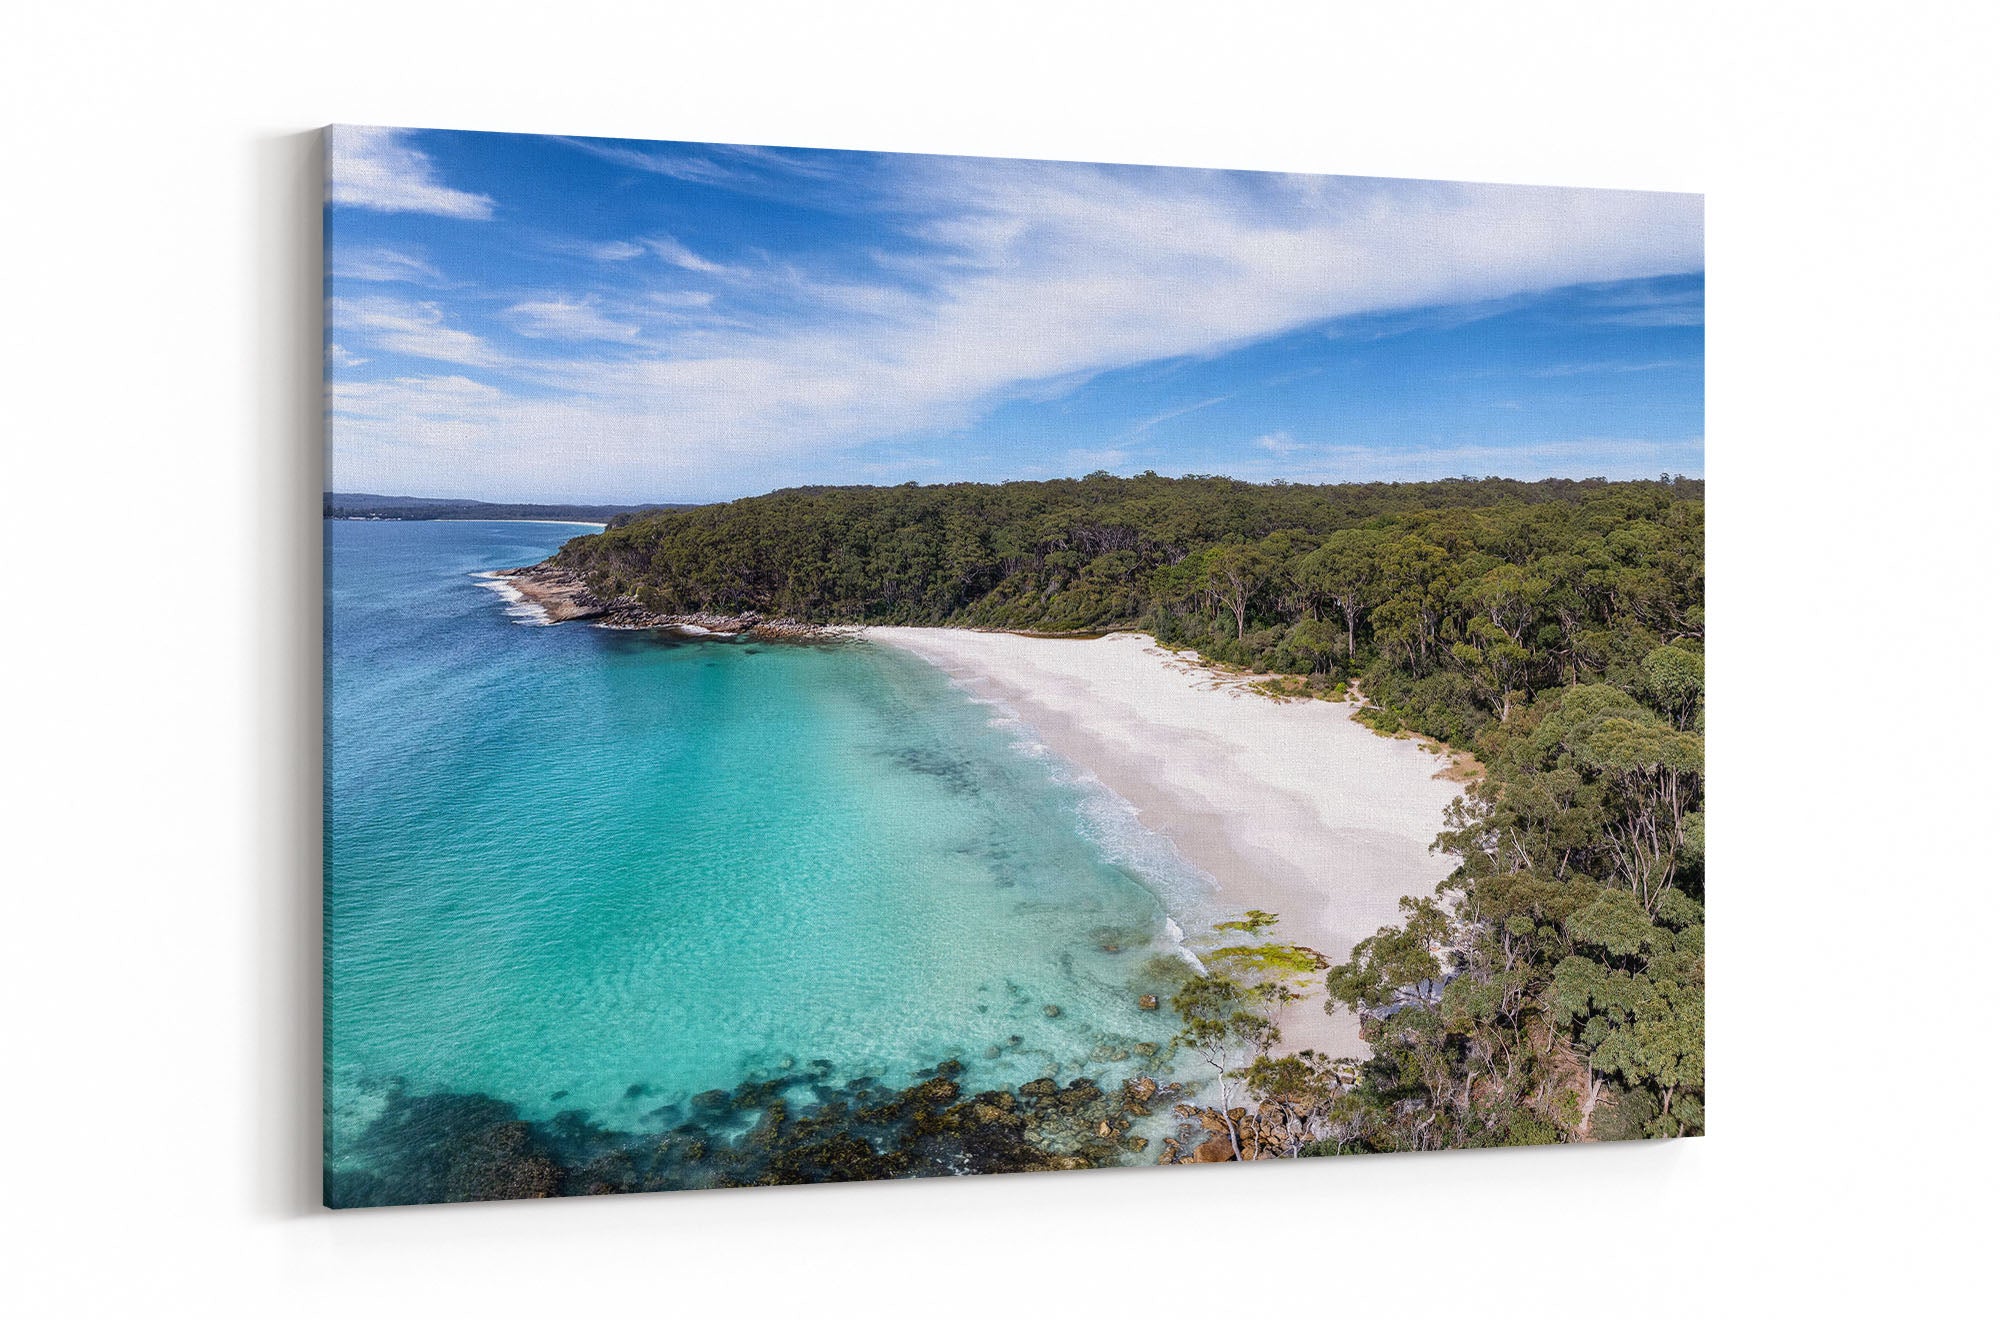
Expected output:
(853, 666)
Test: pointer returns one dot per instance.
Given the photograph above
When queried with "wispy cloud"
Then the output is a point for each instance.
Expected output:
(380, 263)
(1139, 428)
(1651, 306)
(380, 169)
(815, 166)
(673, 252)
(560, 317)
(412, 328)
(687, 166)
(1569, 368)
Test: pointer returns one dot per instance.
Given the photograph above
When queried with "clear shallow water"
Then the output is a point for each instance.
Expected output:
(600, 872)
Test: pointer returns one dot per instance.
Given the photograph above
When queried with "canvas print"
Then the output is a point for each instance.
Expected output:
(853, 666)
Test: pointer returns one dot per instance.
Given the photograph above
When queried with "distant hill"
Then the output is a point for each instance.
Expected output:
(357, 504)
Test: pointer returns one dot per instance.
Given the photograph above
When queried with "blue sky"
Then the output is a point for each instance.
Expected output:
(518, 317)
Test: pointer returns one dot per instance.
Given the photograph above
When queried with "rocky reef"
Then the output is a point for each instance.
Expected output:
(563, 595)
(798, 1129)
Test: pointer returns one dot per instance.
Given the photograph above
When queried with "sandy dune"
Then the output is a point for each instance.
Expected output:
(1291, 806)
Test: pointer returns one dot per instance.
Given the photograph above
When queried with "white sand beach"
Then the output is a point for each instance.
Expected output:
(1290, 805)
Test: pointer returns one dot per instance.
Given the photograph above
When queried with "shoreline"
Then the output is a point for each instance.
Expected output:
(563, 596)
(385, 518)
(1288, 805)
(559, 522)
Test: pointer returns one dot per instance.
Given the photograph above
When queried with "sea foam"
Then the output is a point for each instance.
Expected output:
(517, 606)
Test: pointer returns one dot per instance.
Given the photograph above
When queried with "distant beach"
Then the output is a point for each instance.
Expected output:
(559, 522)
(1290, 805)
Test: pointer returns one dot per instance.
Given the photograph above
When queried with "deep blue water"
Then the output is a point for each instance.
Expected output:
(599, 871)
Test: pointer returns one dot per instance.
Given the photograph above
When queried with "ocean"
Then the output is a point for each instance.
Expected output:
(597, 875)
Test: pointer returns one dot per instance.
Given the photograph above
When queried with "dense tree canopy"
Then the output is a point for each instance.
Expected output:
(1553, 987)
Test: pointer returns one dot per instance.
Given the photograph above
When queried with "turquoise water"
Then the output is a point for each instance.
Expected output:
(596, 871)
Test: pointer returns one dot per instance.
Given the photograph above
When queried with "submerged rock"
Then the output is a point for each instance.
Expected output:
(800, 1128)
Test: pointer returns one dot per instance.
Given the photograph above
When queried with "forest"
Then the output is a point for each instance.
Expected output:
(1551, 989)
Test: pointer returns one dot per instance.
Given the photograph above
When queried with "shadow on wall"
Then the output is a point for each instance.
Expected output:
(286, 333)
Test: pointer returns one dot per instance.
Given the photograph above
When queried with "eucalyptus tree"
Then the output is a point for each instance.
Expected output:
(1346, 572)
(1222, 1025)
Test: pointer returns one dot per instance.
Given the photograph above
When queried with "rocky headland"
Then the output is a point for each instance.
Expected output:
(563, 595)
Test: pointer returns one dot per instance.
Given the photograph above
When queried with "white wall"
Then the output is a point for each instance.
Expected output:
(160, 410)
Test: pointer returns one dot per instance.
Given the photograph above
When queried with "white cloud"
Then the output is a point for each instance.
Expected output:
(415, 397)
(381, 264)
(616, 251)
(379, 169)
(579, 320)
(1279, 442)
(1062, 272)
(671, 250)
(679, 300)
(413, 328)
(1068, 269)
(441, 434)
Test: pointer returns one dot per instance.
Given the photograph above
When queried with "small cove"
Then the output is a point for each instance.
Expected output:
(600, 875)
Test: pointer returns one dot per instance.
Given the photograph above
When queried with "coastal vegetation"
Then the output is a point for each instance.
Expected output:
(1551, 988)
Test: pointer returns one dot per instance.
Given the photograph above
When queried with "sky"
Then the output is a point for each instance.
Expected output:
(531, 318)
